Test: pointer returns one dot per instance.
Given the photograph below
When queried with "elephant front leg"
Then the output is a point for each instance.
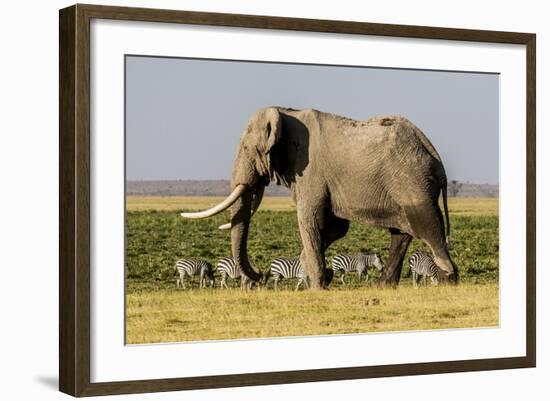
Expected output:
(312, 256)
(398, 248)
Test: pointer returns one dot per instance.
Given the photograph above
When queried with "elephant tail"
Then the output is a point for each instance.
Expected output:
(446, 209)
(442, 177)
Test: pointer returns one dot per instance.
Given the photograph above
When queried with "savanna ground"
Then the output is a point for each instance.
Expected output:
(156, 312)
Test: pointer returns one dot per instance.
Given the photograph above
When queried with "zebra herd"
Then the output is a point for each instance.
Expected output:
(421, 265)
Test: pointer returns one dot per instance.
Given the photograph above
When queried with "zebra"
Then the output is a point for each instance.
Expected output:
(422, 265)
(193, 267)
(358, 262)
(286, 268)
(228, 268)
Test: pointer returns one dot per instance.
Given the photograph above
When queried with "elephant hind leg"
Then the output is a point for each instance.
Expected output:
(398, 248)
(427, 222)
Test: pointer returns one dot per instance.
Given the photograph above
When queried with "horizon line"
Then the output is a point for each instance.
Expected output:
(226, 179)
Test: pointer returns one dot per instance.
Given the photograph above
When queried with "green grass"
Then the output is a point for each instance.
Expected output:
(156, 312)
(155, 240)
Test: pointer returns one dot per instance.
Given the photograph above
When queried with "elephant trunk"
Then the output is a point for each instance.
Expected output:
(258, 196)
(240, 222)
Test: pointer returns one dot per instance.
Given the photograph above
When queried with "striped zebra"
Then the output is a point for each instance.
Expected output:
(193, 267)
(286, 268)
(358, 262)
(228, 269)
(422, 265)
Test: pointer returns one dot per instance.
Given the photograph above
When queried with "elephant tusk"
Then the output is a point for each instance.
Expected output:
(257, 200)
(232, 198)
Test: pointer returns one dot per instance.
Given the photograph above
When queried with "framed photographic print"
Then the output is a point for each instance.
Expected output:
(235, 185)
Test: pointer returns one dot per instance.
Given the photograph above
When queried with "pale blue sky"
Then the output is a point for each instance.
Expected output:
(184, 116)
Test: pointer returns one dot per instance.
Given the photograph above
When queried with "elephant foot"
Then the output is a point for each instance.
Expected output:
(316, 285)
(322, 282)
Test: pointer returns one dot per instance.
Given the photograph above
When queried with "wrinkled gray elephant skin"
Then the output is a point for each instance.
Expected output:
(382, 171)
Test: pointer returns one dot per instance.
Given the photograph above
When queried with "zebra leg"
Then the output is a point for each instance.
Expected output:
(247, 284)
(244, 283)
(398, 248)
(359, 276)
(414, 279)
(181, 281)
(434, 281)
(275, 284)
(298, 285)
(342, 275)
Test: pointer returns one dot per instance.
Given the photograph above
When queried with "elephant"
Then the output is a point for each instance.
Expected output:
(382, 171)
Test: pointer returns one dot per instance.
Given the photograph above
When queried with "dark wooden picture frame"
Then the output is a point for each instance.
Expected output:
(74, 199)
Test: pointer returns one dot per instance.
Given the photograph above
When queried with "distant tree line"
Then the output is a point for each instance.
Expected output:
(455, 188)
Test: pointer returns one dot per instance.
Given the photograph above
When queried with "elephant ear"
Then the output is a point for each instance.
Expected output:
(273, 129)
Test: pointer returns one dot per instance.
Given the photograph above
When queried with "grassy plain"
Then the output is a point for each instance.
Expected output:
(167, 315)
(156, 312)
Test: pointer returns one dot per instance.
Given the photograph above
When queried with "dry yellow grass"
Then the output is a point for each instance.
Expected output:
(463, 206)
(170, 315)
(474, 206)
(137, 203)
